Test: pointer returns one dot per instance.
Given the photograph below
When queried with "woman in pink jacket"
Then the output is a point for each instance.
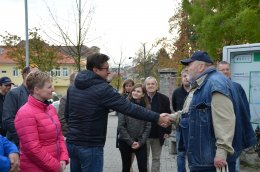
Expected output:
(37, 125)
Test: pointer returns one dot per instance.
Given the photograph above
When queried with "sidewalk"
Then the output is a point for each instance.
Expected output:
(112, 157)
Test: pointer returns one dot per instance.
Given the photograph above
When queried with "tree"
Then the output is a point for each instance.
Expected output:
(145, 62)
(218, 23)
(74, 47)
(182, 44)
(44, 56)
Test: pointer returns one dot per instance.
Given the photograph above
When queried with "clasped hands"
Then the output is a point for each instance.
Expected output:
(166, 120)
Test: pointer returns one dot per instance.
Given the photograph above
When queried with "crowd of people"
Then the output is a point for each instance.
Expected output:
(210, 111)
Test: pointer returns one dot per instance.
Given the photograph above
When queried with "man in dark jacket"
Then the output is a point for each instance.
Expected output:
(161, 104)
(62, 104)
(178, 98)
(224, 68)
(5, 86)
(15, 99)
(87, 107)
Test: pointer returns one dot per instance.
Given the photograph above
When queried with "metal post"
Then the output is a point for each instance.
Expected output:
(118, 77)
(26, 34)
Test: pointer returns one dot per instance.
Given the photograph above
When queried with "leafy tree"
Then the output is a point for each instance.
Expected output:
(44, 56)
(223, 22)
(164, 60)
(182, 44)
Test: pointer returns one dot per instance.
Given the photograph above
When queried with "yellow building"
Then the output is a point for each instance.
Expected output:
(61, 75)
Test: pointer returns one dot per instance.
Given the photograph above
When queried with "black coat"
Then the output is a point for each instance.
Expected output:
(162, 106)
(87, 107)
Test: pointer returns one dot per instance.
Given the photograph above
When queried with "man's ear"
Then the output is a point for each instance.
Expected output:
(95, 69)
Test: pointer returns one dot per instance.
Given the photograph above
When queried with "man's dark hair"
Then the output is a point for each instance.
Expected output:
(26, 70)
(96, 60)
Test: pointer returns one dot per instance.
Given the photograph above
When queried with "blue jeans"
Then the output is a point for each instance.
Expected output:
(85, 159)
(238, 164)
(181, 154)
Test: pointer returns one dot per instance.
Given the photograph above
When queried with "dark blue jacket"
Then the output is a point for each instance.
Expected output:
(201, 138)
(6, 148)
(14, 99)
(87, 107)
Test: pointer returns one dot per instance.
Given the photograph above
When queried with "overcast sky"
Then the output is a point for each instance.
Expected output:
(117, 24)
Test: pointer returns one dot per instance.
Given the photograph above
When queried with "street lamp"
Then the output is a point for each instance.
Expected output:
(118, 72)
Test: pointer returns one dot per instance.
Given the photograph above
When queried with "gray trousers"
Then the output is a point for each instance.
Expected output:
(156, 147)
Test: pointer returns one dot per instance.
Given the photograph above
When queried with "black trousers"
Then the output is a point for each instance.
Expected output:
(126, 154)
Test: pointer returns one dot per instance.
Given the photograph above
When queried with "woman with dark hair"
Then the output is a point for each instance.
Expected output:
(127, 86)
(41, 141)
(133, 132)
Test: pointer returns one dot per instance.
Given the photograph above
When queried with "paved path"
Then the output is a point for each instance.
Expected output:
(112, 157)
(112, 160)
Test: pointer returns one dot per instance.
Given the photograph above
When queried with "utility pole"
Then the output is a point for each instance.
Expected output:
(26, 35)
(118, 75)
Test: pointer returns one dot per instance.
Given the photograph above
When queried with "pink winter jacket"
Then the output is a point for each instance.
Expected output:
(41, 141)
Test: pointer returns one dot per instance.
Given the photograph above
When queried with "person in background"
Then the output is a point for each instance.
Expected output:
(15, 99)
(133, 133)
(178, 98)
(61, 108)
(37, 124)
(126, 88)
(161, 104)
(224, 68)
(5, 86)
(88, 103)
(9, 156)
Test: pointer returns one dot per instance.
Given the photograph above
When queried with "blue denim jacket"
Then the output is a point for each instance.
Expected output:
(200, 141)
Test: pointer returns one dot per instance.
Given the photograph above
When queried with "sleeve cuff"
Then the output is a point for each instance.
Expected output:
(222, 153)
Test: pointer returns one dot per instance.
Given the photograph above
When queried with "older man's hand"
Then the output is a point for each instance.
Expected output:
(219, 162)
(165, 120)
(15, 162)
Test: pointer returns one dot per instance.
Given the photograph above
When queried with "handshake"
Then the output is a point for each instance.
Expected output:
(166, 119)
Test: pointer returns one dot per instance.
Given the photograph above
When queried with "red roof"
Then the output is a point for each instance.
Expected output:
(4, 59)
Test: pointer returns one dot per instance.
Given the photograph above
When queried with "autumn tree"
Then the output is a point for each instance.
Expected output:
(218, 23)
(71, 45)
(44, 56)
(182, 41)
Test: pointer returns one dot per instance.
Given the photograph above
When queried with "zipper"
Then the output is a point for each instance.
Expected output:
(57, 136)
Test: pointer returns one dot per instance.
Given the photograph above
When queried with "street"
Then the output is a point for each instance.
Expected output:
(112, 157)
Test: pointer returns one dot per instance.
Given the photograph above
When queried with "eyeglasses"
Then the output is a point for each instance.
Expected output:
(107, 68)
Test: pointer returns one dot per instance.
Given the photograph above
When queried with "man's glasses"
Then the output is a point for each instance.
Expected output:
(107, 68)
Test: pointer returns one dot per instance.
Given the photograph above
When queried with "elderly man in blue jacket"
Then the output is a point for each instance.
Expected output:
(9, 156)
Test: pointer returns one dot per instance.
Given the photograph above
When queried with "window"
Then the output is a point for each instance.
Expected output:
(57, 72)
(3, 71)
(65, 72)
(15, 71)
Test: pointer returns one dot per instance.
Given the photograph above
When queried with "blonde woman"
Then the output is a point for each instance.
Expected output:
(41, 141)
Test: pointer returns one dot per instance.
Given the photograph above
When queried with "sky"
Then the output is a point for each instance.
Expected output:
(118, 27)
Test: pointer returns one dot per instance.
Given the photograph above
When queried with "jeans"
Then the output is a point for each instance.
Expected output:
(181, 154)
(238, 164)
(85, 159)
(207, 170)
